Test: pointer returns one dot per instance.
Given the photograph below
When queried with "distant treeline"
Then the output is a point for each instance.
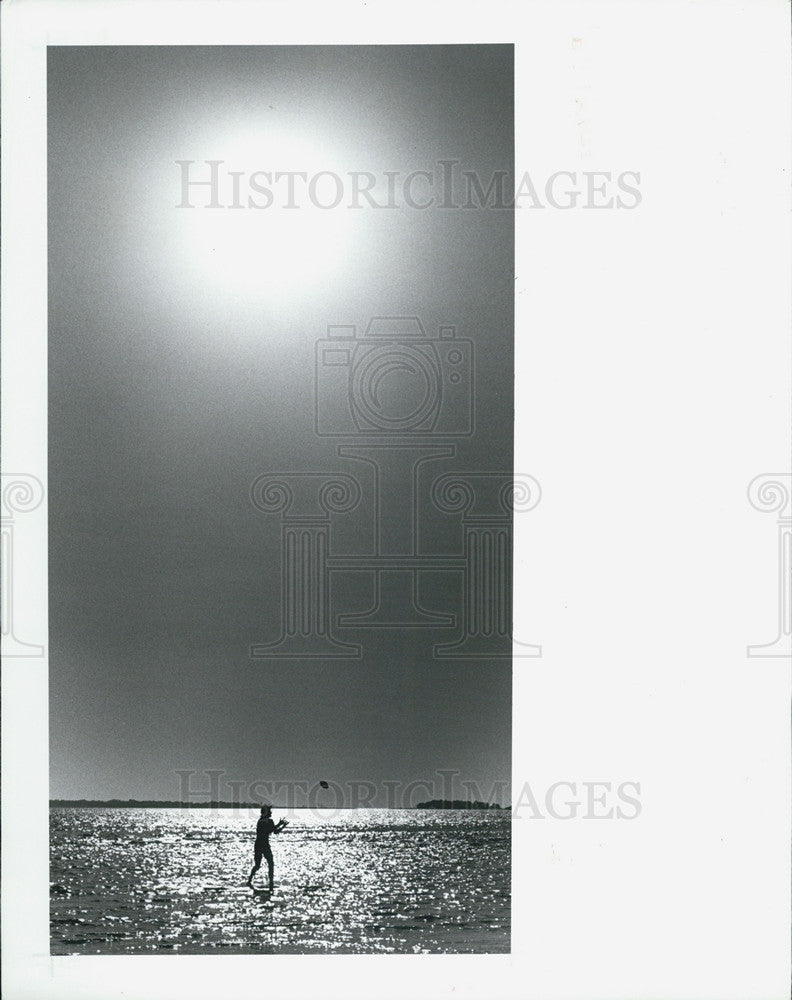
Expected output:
(456, 804)
(173, 804)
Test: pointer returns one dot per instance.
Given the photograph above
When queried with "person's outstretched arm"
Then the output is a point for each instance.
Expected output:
(280, 825)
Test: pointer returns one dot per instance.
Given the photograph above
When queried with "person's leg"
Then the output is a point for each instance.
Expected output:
(256, 865)
(270, 868)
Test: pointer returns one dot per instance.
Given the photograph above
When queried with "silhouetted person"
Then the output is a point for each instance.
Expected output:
(262, 848)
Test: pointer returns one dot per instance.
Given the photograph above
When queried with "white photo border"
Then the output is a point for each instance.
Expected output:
(639, 499)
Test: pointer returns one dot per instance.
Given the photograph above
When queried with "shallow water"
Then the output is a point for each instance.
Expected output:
(361, 880)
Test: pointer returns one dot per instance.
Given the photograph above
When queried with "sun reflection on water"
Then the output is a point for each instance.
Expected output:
(366, 880)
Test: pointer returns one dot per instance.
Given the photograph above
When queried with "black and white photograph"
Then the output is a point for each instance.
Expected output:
(280, 461)
(395, 500)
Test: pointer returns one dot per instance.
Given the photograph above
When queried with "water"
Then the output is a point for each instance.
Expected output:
(129, 881)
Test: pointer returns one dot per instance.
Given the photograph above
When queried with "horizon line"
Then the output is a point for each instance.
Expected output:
(224, 804)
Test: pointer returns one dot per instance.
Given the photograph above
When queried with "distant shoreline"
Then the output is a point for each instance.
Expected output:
(173, 804)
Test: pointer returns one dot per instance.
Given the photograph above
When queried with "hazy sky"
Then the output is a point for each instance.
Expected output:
(181, 367)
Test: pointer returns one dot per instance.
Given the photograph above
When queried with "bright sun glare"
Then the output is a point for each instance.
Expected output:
(270, 250)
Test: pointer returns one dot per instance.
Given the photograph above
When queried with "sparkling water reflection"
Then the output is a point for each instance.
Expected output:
(362, 880)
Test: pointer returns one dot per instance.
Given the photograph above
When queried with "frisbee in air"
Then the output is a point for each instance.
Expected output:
(323, 784)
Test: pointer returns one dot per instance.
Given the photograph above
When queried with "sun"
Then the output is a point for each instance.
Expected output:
(263, 245)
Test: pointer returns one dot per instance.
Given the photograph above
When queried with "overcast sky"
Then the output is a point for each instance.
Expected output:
(181, 367)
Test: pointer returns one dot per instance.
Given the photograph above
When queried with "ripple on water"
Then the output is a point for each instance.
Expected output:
(365, 881)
